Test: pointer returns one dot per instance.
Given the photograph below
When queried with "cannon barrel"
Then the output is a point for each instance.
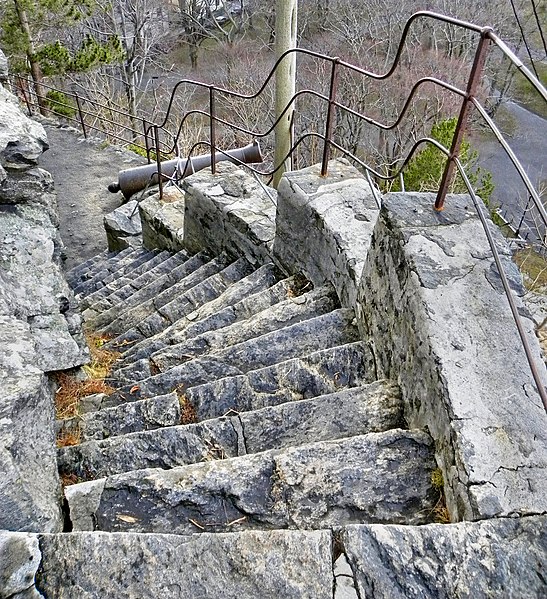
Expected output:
(132, 180)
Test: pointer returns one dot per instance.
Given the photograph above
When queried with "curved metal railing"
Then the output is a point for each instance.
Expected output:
(164, 142)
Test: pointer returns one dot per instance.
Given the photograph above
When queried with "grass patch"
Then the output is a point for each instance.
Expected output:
(533, 267)
(441, 515)
(188, 414)
(70, 388)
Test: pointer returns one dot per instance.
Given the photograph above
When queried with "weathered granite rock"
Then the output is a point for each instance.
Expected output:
(380, 477)
(29, 483)
(123, 227)
(247, 565)
(34, 289)
(19, 561)
(495, 558)
(163, 220)
(373, 408)
(319, 373)
(431, 302)
(22, 140)
(324, 226)
(230, 213)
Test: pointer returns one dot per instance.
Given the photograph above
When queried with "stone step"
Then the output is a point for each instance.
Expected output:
(371, 408)
(121, 308)
(125, 323)
(378, 561)
(252, 294)
(320, 373)
(110, 263)
(125, 288)
(98, 298)
(85, 269)
(288, 564)
(374, 478)
(180, 305)
(146, 414)
(281, 315)
(113, 268)
(327, 330)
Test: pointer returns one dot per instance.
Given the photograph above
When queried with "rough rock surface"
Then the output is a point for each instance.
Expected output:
(163, 220)
(490, 559)
(247, 565)
(39, 331)
(430, 287)
(324, 226)
(20, 558)
(380, 477)
(123, 227)
(4, 71)
(230, 213)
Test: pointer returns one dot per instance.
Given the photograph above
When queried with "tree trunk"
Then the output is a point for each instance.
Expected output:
(285, 83)
(35, 70)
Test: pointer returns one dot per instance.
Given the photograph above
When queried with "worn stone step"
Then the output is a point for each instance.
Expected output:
(125, 323)
(166, 314)
(241, 300)
(98, 298)
(371, 408)
(286, 564)
(111, 263)
(380, 561)
(143, 299)
(281, 315)
(125, 288)
(113, 267)
(85, 269)
(380, 477)
(319, 373)
(327, 330)
(146, 414)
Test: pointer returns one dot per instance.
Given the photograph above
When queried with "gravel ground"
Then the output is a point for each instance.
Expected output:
(82, 170)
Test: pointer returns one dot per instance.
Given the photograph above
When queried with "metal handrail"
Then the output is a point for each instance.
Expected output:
(486, 39)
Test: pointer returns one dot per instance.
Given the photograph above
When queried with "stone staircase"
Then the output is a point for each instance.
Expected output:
(242, 401)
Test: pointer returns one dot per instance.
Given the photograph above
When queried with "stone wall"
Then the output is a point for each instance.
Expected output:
(39, 331)
(432, 303)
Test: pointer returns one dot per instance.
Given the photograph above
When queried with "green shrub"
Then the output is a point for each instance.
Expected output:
(60, 104)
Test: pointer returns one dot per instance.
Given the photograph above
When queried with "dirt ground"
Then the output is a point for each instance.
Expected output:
(82, 170)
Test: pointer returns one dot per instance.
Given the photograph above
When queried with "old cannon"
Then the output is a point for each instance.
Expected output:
(132, 180)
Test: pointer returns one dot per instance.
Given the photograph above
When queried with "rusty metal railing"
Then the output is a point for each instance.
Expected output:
(165, 143)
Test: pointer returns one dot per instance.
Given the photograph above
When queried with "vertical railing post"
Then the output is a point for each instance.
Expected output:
(158, 158)
(212, 128)
(329, 126)
(472, 85)
(146, 143)
(23, 91)
(80, 113)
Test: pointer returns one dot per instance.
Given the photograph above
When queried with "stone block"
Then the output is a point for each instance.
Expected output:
(248, 565)
(163, 220)
(498, 558)
(29, 483)
(123, 227)
(20, 559)
(230, 213)
(324, 226)
(432, 304)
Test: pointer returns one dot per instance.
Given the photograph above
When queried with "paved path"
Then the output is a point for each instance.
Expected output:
(81, 171)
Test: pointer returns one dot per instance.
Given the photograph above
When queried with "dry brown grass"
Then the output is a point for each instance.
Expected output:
(71, 389)
(299, 285)
(69, 479)
(69, 437)
(441, 515)
(188, 413)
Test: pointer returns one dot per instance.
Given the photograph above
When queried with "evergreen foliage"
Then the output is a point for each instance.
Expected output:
(424, 171)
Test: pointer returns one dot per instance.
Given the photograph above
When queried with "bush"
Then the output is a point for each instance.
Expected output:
(59, 103)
